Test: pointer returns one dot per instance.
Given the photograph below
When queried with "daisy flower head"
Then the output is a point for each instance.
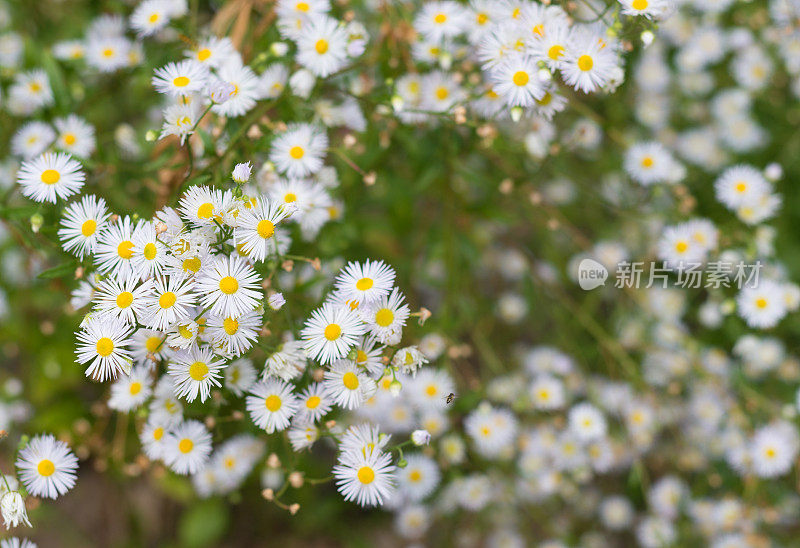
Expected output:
(195, 372)
(313, 404)
(272, 81)
(652, 9)
(147, 344)
(347, 385)
(741, 186)
(419, 477)
(34, 88)
(180, 120)
(369, 356)
(81, 223)
(172, 300)
(149, 253)
(108, 53)
(201, 205)
(229, 286)
(150, 16)
(440, 91)
(255, 232)
(103, 343)
(187, 447)
(123, 300)
(516, 80)
(244, 86)
(589, 63)
(386, 317)
(762, 306)
(322, 45)
(154, 437)
(213, 52)
(240, 375)
(288, 362)
(234, 334)
(586, 422)
(47, 467)
(493, 430)
(331, 332)
(165, 408)
(547, 392)
(271, 405)
(430, 388)
(129, 392)
(32, 139)
(679, 248)
(302, 435)
(50, 176)
(366, 478)
(774, 449)
(437, 21)
(649, 163)
(114, 249)
(361, 283)
(299, 151)
(180, 79)
(75, 136)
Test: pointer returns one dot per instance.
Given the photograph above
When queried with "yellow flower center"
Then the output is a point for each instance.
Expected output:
(290, 197)
(366, 475)
(185, 445)
(302, 6)
(203, 54)
(230, 326)
(520, 78)
(50, 176)
(135, 388)
(198, 371)
(431, 390)
(265, 228)
(167, 299)
(761, 302)
(361, 356)
(332, 331)
(150, 251)
(124, 299)
(321, 46)
(69, 139)
(384, 317)
(555, 52)
(192, 264)
(482, 18)
(741, 186)
(585, 63)
(104, 347)
(273, 403)
(639, 5)
(152, 344)
(46, 468)
(440, 18)
(181, 82)
(205, 211)
(125, 249)
(88, 227)
(158, 433)
(185, 332)
(228, 285)
(415, 476)
(364, 284)
(297, 152)
(442, 93)
(647, 161)
(681, 247)
(350, 380)
(313, 402)
(108, 52)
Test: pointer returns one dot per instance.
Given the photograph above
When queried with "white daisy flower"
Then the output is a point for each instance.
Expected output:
(587, 422)
(589, 63)
(246, 89)
(103, 343)
(322, 46)
(165, 407)
(129, 392)
(47, 467)
(213, 52)
(365, 283)
(272, 81)
(740, 186)
(172, 300)
(114, 249)
(331, 332)
(255, 232)
(179, 79)
(108, 53)
(150, 16)
(149, 253)
(418, 478)
(148, 343)
(300, 150)
(154, 437)
(195, 372)
(229, 286)
(762, 306)
(303, 435)
(81, 223)
(240, 375)
(234, 334)
(347, 385)
(437, 21)
(123, 300)
(517, 81)
(314, 404)
(365, 477)
(386, 317)
(50, 177)
(32, 139)
(75, 136)
(649, 163)
(187, 447)
(271, 405)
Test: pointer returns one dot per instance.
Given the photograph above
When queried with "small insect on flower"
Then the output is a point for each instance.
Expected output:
(50, 177)
(47, 467)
